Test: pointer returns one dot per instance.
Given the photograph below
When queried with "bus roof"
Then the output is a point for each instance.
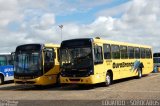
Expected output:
(46, 44)
(52, 45)
(99, 40)
(5, 53)
(120, 43)
(156, 53)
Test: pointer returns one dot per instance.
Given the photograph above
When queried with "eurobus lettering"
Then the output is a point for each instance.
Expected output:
(122, 65)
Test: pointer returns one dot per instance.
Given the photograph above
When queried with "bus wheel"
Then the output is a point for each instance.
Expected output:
(1, 80)
(38, 86)
(139, 73)
(108, 79)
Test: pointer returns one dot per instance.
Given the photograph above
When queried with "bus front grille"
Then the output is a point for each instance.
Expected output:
(74, 80)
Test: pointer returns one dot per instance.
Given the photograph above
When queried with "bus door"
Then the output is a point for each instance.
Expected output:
(107, 56)
(49, 59)
(99, 70)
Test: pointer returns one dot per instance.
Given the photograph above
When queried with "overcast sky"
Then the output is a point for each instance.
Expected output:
(37, 21)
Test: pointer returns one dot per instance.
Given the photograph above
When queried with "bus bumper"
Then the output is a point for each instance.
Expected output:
(26, 81)
(79, 80)
(43, 80)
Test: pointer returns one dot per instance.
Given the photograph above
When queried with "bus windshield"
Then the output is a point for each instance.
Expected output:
(156, 60)
(76, 57)
(27, 62)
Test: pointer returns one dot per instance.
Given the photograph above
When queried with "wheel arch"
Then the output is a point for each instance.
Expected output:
(1, 74)
(111, 73)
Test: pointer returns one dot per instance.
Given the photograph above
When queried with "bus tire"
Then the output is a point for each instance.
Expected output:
(38, 86)
(81, 85)
(108, 79)
(1, 79)
(139, 70)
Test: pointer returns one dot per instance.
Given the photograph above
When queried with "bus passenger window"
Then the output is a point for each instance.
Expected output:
(3, 61)
(115, 52)
(123, 51)
(143, 53)
(131, 52)
(148, 53)
(107, 51)
(137, 53)
(98, 54)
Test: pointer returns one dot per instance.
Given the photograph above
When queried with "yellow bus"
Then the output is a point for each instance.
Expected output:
(36, 64)
(94, 60)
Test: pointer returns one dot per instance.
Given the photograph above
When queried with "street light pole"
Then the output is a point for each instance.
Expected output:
(61, 27)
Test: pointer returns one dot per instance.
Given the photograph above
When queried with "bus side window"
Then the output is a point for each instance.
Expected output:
(148, 53)
(123, 52)
(137, 52)
(143, 53)
(49, 56)
(131, 52)
(115, 51)
(107, 51)
(98, 54)
(3, 61)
